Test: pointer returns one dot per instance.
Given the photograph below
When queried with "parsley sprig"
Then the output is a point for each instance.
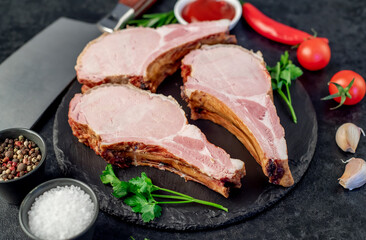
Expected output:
(154, 20)
(282, 74)
(138, 194)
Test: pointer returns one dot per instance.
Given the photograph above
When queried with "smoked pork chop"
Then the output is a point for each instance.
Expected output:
(145, 56)
(230, 86)
(129, 126)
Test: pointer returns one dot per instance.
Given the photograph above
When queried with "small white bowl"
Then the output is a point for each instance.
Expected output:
(180, 4)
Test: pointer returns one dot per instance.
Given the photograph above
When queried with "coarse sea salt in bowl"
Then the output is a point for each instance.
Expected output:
(61, 208)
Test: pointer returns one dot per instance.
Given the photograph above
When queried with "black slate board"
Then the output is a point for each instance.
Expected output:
(78, 161)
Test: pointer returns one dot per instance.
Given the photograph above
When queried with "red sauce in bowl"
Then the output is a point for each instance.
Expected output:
(207, 10)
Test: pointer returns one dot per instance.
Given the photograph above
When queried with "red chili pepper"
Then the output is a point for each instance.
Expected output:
(272, 29)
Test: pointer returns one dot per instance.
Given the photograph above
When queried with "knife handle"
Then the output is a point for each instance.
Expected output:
(124, 11)
(138, 5)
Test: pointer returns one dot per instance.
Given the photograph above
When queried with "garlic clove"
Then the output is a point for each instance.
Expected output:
(354, 175)
(348, 136)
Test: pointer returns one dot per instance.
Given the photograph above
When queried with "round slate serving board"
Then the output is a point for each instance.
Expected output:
(79, 161)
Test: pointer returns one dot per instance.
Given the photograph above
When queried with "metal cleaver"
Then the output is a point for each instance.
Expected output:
(36, 74)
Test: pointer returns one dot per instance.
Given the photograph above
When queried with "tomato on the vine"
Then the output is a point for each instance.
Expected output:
(346, 87)
(313, 54)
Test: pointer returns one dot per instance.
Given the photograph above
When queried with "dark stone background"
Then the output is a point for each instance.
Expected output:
(318, 207)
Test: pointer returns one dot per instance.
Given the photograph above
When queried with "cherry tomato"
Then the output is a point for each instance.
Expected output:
(343, 78)
(313, 54)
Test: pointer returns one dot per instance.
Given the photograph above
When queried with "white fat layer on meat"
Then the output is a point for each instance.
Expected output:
(183, 34)
(281, 149)
(194, 132)
(238, 164)
(229, 95)
(119, 128)
(278, 146)
(191, 131)
(188, 92)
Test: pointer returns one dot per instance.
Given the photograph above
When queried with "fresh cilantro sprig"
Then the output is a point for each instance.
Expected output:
(154, 20)
(138, 194)
(282, 74)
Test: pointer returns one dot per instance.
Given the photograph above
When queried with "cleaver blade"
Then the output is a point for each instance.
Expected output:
(37, 73)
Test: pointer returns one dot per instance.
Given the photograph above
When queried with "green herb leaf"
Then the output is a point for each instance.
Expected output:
(284, 59)
(148, 208)
(282, 74)
(274, 86)
(120, 189)
(138, 193)
(286, 75)
(277, 72)
(108, 176)
(136, 202)
(141, 184)
(294, 71)
(154, 20)
(150, 211)
(279, 85)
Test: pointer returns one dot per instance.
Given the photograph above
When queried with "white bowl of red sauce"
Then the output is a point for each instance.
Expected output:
(187, 11)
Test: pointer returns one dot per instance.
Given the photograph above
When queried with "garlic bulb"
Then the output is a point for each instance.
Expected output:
(354, 175)
(348, 136)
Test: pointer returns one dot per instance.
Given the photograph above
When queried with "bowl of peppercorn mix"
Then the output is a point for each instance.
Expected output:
(22, 156)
